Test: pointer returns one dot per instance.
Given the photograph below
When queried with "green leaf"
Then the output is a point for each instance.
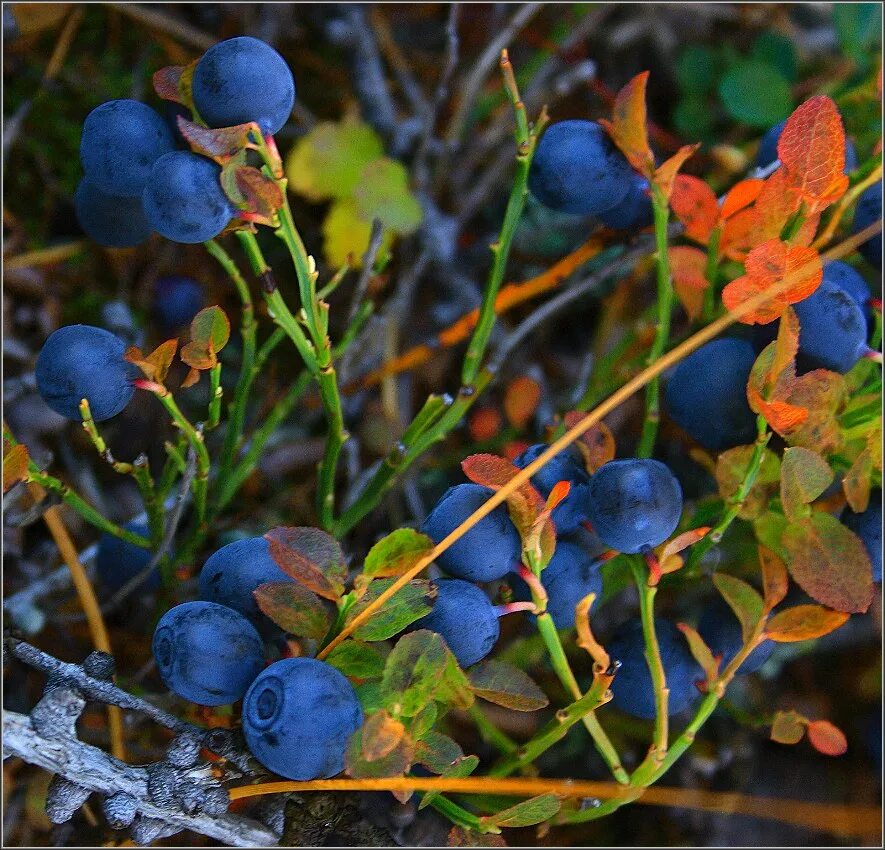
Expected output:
(408, 604)
(756, 93)
(394, 763)
(454, 688)
(414, 671)
(311, 557)
(327, 162)
(829, 562)
(210, 331)
(743, 599)
(462, 767)
(731, 469)
(294, 608)
(357, 660)
(438, 752)
(804, 476)
(504, 684)
(526, 813)
(423, 721)
(858, 26)
(693, 117)
(769, 530)
(382, 191)
(696, 69)
(788, 727)
(346, 234)
(778, 51)
(370, 695)
(397, 553)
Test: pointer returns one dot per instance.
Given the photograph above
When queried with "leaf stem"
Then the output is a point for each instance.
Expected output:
(711, 273)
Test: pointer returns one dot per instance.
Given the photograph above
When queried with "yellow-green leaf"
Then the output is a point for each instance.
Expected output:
(804, 476)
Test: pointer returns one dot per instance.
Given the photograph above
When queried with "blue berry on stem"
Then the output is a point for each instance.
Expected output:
(231, 574)
(721, 631)
(566, 466)
(577, 169)
(867, 525)
(632, 687)
(81, 361)
(572, 573)
(241, 80)
(121, 141)
(118, 561)
(207, 653)
(183, 199)
(707, 394)
(115, 221)
(852, 282)
(298, 716)
(486, 552)
(177, 299)
(635, 504)
(635, 211)
(869, 210)
(466, 619)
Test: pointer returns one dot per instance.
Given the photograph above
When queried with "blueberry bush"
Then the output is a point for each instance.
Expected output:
(550, 551)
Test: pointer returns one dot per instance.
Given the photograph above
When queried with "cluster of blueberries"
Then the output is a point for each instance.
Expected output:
(136, 180)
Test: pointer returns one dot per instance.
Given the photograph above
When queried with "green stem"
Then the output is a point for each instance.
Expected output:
(665, 306)
(175, 465)
(711, 273)
(455, 813)
(152, 505)
(490, 733)
(215, 396)
(647, 594)
(736, 502)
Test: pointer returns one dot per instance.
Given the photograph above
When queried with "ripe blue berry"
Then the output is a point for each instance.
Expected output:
(121, 141)
(767, 152)
(632, 686)
(868, 527)
(486, 552)
(721, 631)
(707, 394)
(242, 80)
(207, 653)
(115, 221)
(572, 573)
(868, 210)
(576, 169)
(566, 466)
(466, 619)
(298, 716)
(183, 199)
(851, 281)
(118, 561)
(177, 300)
(80, 361)
(634, 504)
(634, 212)
(230, 576)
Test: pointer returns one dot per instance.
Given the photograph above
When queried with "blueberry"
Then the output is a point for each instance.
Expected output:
(767, 152)
(566, 466)
(118, 561)
(115, 221)
(298, 716)
(177, 300)
(577, 169)
(121, 141)
(230, 576)
(485, 553)
(851, 281)
(172, 112)
(634, 212)
(183, 199)
(572, 573)
(869, 210)
(707, 394)
(466, 619)
(632, 686)
(242, 80)
(868, 527)
(207, 653)
(721, 631)
(634, 504)
(80, 361)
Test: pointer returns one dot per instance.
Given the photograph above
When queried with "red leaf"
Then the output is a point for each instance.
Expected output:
(484, 424)
(688, 267)
(262, 194)
(827, 738)
(596, 444)
(165, 82)
(775, 261)
(743, 289)
(218, 144)
(309, 556)
(294, 608)
(694, 204)
(521, 400)
(628, 128)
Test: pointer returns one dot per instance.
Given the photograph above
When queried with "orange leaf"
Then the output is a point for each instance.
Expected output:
(15, 464)
(827, 738)
(666, 173)
(597, 443)
(740, 196)
(775, 581)
(694, 203)
(484, 424)
(155, 365)
(804, 622)
(628, 128)
(683, 541)
(785, 349)
(811, 149)
(558, 494)
(688, 267)
(701, 652)
(782, 416)
(521, 400)
(773, 261)
(192, 377)
(381, 735)
(736, 240)
(743, 289)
